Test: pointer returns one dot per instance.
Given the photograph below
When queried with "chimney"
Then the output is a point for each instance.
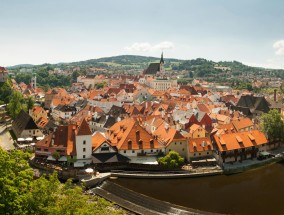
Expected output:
(275, 94)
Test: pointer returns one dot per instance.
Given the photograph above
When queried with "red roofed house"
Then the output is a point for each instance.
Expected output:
(239, 146)
(132, 140)
(73, 143)
(199, 148)
(171, 139)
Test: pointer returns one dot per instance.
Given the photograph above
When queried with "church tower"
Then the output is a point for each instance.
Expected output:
(162, 62)
(33, 81)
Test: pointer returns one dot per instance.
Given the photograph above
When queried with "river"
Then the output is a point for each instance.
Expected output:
(259, 191)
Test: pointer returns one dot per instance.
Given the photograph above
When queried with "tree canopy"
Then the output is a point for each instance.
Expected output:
(273, 125)
(171, 160)
(16, 104)
(20, 194)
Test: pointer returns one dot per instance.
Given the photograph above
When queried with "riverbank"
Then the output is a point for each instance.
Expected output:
(237, 167)
(139, 203)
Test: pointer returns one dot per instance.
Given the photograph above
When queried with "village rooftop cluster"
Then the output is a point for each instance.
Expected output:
(135, 119)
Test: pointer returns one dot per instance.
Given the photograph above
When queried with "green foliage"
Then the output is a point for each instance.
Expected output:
(171, 160)
(56, 155)
(5, 91)
(44, 80)
(16, 104)
(20, 194)
(30, 102)
(100, 85)
(273, 125)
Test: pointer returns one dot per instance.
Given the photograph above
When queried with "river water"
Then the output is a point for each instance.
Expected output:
(259, 191)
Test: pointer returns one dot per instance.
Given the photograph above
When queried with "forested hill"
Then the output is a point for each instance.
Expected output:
(200, 67)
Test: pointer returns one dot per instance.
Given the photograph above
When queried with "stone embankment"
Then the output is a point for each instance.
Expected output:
(140, 203)
(166, 175)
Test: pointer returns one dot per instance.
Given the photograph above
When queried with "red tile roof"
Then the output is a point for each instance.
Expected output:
(128, 134)
(84, 128)
(199, 144)
(232, 141)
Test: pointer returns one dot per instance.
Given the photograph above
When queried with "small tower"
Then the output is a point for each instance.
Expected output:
(33, 81)
(162, 62)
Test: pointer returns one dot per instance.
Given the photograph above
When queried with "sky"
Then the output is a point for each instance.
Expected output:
(53, 31)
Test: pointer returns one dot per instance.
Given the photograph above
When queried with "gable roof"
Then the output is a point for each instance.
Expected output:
(199, 144)
(254, 103)
(127, 134)
(23, 122)
(242, 123)
(166, 135)
(84, 128)
(152, 69)
(232, 141)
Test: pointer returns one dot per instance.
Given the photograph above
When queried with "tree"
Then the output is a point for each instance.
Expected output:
(56, 155)
(16, 104)
(5, 91)
(272, 124)
(21, 194)
(30, 102)
(171, 160)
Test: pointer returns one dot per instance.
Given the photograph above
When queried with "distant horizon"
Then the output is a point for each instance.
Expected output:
(38, 32)
(29, 64)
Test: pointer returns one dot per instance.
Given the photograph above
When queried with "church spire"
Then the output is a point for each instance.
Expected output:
(162, 58)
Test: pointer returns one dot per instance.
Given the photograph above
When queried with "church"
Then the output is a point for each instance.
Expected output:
(156, 69)
(156, 78)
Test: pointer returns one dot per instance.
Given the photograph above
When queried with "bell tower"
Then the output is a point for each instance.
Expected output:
(162, 62)
(33, 81)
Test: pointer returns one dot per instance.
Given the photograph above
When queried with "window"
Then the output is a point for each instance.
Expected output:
(180, 143)
(124, 151)
(175, 143)
(133, 151)
(38, 149)
(170, 150)
(84, 156)
(84, 149)
(84, 142)
(182, 149)
(194, 154)
(151, 150)
(199, 153)
(46, 150)
(105, 148)
(208, 153)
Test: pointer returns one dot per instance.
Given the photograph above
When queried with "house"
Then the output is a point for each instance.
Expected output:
(196, 131)
(204, 120)
(251, 105)
(132, 140)
(63, 112)
(220, 118)
(233, 147)
(37, 112)
(104, 152)
(171, 139)
(72, 142)
(199, 148)
(25, 127)
(244, 124)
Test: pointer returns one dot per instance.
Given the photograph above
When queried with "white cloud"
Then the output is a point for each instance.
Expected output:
(147, 47)
(279, 47)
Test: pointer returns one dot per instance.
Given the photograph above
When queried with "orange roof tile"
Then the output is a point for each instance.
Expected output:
(232, 141)
(84, 128)
(199, 144)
